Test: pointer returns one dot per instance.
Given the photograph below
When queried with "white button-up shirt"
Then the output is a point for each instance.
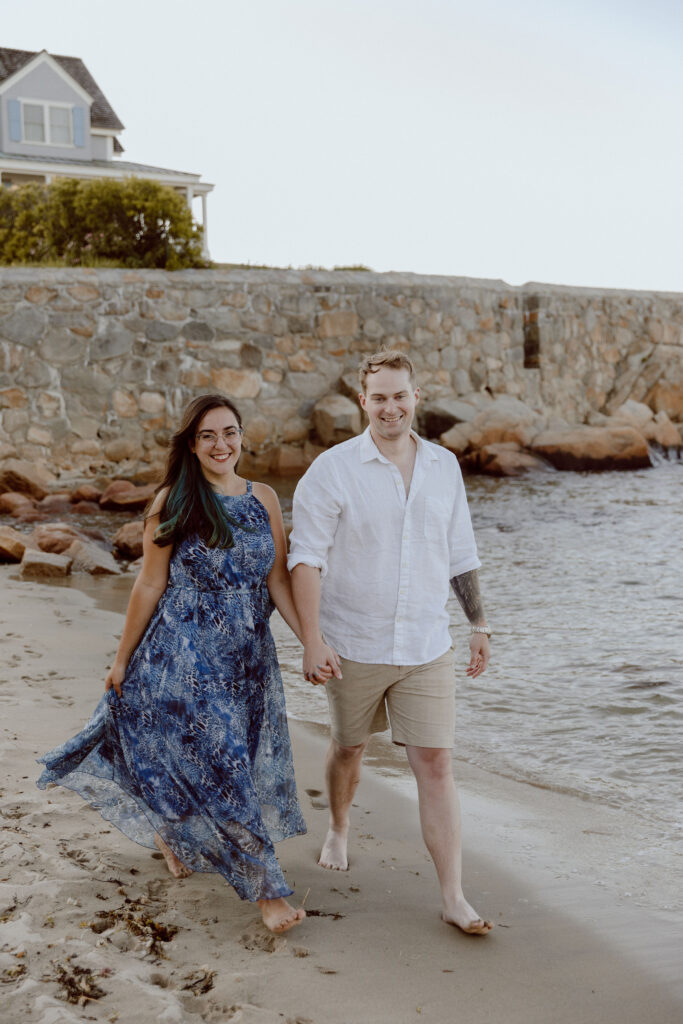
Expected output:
(386, 558)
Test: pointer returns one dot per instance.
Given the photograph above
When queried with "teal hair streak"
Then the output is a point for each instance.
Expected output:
(192, 506)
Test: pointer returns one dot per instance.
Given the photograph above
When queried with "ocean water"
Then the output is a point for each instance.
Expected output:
(582, 578)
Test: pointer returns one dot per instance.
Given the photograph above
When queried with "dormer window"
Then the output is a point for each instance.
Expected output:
(48, 123)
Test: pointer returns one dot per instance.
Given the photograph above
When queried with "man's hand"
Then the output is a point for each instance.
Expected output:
(320, 663)
(480, 651)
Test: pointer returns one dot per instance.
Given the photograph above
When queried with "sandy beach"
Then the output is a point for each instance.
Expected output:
(85, 911)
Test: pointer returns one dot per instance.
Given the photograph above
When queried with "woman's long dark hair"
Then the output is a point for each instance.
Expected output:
(191, 505)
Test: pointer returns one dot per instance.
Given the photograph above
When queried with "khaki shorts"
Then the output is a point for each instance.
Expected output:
(419, 699)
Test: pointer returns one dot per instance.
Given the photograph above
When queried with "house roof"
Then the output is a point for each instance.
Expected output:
(101, 113)
(113, 168)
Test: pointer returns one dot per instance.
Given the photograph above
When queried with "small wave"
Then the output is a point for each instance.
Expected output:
(660, 456)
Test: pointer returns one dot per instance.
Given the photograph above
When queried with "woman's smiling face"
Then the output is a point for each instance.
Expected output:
(217, 443)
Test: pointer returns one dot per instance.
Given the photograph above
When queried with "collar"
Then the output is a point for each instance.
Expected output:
(369, 450)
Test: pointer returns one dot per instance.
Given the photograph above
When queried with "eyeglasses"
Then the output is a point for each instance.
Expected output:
(208, 438)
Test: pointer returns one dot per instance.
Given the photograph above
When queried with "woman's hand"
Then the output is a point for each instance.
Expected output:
(321, 662)
(115, 678)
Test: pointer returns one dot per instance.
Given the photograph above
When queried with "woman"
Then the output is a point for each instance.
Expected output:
(188, 749)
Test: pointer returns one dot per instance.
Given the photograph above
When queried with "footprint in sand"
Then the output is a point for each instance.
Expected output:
(318, 799)
(86, 861)
(259, 938)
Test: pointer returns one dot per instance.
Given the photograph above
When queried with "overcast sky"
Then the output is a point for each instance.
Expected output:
(529, 140)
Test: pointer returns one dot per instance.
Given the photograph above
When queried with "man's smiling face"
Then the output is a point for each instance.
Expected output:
(390, 399)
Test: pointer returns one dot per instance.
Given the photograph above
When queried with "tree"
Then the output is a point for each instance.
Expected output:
(128, 222)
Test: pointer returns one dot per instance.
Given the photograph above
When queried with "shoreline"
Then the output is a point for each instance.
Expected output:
(565, 948)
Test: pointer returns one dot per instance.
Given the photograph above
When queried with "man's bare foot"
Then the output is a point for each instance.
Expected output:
(175, 866)
(333, 854)
(461, 914)
(279, 916)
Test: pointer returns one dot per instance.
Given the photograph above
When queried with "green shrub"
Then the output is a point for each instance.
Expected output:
(129, 222)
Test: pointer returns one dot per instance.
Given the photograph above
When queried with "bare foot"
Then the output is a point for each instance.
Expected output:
(461, 914)
(279, 916)
(175, 866)
(333, 854)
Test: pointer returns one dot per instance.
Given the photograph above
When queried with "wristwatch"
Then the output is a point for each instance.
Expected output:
(481, 629)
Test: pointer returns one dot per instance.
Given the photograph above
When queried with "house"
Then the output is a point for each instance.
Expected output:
(56, 122)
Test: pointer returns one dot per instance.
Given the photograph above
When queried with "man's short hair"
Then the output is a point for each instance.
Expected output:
(391, 358)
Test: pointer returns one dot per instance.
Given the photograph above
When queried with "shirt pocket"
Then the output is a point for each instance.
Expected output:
(436, 519)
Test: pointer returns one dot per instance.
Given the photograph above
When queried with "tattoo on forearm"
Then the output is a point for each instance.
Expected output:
(466, 588)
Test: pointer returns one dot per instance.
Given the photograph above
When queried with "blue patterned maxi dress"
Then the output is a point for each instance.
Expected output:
(197, 747)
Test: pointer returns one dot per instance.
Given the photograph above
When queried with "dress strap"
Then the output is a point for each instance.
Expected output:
(248, 486)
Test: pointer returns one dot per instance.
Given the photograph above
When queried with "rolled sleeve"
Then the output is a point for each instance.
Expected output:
(315, 515)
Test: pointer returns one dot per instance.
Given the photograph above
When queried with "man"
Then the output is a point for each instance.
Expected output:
(381, 526)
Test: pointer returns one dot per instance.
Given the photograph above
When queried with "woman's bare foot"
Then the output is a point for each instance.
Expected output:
(279, 916)
(464, 917)
(333, 854)
(175, 866)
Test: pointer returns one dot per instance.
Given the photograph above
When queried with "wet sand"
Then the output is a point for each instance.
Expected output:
(373, 949)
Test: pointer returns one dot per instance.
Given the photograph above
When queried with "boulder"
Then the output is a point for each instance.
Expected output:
(662, 431)
(506, 459)
(85, 507)
(12, 544)
(113, 488)
(437, 416)
(89, 557)
(130, 499)
(128, 540)
(55, 504)
(54, 537)
(14, 500)
(457, 439)
(593, 448)
(503, 420)
(86, 492)
(634, 414)
(290, 460)
(667, 397)
(336, 418)
(28, 515)
(42, 564)
(26, 477)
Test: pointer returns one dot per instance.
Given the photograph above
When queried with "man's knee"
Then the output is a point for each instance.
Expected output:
(434, 764)
(347, 755)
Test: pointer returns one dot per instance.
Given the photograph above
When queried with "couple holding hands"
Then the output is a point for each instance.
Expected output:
(188, 750)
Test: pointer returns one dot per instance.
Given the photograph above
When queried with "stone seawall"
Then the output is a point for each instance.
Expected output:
(95, 366)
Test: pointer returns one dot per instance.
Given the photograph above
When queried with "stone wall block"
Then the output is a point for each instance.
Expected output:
(238, 300)
(124, 403)
(159, 330)
(84, 292)
(114, 340)
(338, 324)
(24, 327)
(198, 330)
(236, 383)
(13, 398)
(39, 294)
(252, 356)
(60, 345)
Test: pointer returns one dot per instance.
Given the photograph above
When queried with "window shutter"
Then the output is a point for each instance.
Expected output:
(14, 107)
(78, 114)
